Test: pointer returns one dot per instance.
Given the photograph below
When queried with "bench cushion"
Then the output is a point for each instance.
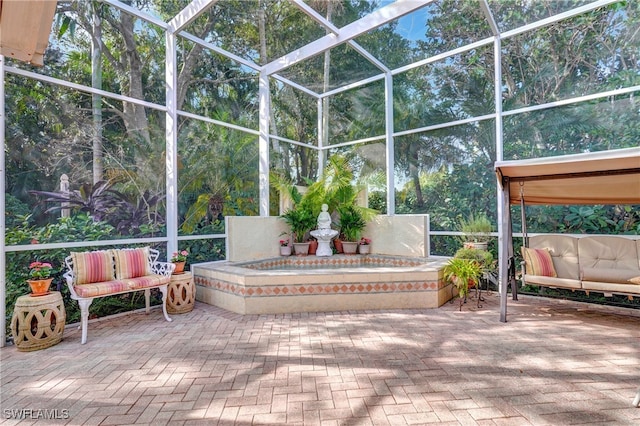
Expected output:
(608, 252)
(92, 267)
(132, 263)
(564, 253)
(609, 275)
(120, 286)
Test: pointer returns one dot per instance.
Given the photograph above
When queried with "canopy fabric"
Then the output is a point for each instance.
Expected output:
(25, 26)
(608, 177)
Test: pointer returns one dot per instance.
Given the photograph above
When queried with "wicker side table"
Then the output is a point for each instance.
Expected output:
(182, 293)
(38, 321)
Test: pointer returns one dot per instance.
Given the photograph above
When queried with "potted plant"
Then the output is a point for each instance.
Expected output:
(351, 226)
(477, 231)
(484, 257)
(40, 274)
(364, 245)
(300, 221)
(462, 273)
(285, 248)
(179, 259)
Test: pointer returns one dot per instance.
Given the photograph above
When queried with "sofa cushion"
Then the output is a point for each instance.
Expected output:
(609, 275)
(92, 267)
(564, 253)
(538, 262)
(635, 280)
(611, 252)
(132, 263)
(120, 286)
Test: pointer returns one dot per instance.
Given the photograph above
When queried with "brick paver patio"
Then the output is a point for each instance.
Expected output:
(553, 363)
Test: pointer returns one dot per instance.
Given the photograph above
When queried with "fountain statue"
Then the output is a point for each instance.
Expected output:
(324, 234)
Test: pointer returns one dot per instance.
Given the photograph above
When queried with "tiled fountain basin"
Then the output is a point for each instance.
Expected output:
(321, 284)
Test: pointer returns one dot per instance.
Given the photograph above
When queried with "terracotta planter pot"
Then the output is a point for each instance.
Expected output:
(40, 287)
(179, 267)
(313, 246)
(338, 245)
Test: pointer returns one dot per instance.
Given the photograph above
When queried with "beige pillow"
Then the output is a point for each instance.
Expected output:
(635, 280)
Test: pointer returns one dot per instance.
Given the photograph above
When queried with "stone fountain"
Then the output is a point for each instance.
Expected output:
(324, 234)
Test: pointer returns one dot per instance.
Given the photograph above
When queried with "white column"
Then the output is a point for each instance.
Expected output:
(388, 101)
(497, 82)
(263, 144)
(3, 254)
(171, 80)
(323, 131)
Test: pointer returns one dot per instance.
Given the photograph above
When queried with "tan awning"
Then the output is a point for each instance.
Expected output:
(608, 177)
(25, 26)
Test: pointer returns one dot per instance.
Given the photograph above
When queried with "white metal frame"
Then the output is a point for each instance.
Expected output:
(176, 28)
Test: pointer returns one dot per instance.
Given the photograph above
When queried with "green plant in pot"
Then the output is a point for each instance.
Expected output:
(477, 230)
(351, 226)
(300, 220)
(484, 257)
(463, 273)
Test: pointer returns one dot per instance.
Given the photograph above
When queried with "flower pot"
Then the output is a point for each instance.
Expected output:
(338, 245)
(179, 267)
(285, 250)
(475, 245)
(364, 248)
(301, 249)
(40, 287)
(313, 246)
(349, 247)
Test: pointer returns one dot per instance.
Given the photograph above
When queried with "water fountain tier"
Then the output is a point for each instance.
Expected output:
(324, 237)
(324, 234)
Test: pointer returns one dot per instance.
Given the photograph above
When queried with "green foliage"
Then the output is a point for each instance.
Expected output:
(476, 228)
(300, 220)
(351, 223)
(103, 203)
(462, 273)
(15, 212)
(483, 257)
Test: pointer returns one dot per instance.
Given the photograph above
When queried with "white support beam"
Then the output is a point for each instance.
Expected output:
(189, 14)
(296, 85)
(171, 143)
(3, 252)
(501, 207)
(390, 145)
(484, 5)
(220, 51)
(353, 85)
(136, 12)
(329, 25)
(263, 144)
(348, 32)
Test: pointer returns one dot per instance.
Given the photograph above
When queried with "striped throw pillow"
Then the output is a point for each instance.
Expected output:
(92, 267)
(132, 263)
(538, 262)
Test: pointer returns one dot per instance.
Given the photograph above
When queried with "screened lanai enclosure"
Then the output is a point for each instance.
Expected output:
(153, 120)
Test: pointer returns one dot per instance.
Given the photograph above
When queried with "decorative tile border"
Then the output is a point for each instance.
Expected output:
(318, 289)
(337, 261)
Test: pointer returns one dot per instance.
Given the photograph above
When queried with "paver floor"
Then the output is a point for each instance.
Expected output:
(552, 363)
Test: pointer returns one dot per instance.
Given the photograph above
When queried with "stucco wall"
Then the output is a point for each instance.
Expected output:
(253, 237)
